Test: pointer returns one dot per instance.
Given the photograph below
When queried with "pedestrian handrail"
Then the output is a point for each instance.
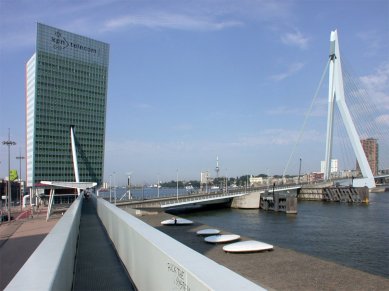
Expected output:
(282, 188)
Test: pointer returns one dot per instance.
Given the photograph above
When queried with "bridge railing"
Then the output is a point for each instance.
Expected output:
(281, 188)
(202, 198)
(156, 261)
(51, 266)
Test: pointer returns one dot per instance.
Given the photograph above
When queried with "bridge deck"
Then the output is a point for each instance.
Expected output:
(97, 265)
(173, 201)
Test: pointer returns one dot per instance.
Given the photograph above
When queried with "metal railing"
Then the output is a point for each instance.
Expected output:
(190, 200)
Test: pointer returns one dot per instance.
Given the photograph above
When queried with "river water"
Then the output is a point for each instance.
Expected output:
(354, 235)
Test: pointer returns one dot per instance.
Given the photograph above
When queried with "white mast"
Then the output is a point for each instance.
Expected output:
(336, 94)
(74, 154)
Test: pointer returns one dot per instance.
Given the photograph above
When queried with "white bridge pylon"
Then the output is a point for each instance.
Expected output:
(336, 95)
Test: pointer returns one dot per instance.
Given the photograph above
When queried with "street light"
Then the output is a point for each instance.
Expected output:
(299, 172)
(114, 186)
(9, 143)
(158, 185)
(129, 185)
(177, 184)
(110, 188)
(20, 158)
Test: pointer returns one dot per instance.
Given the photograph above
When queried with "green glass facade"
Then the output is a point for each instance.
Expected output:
(68, 88)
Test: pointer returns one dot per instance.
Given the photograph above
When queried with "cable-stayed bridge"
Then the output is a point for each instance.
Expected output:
(222, 197)
(357, 125)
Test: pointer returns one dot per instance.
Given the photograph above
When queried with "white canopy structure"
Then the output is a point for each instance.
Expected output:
(73, 185)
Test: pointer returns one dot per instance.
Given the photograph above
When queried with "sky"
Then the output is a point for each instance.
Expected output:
(193, 80)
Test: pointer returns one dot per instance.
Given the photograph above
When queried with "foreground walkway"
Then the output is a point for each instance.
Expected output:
(18, 240)
(97, 265)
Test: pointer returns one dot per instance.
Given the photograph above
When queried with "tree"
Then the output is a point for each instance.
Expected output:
(242, 180)
(13, 175)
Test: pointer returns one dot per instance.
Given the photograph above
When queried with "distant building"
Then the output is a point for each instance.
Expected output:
(315, 177)
(256, 180)
(15, 191)
(204, 178)
(348, 174)
(66, 82)
(334, 166)
(370, 147)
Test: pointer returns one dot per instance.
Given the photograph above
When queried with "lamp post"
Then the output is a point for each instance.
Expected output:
(177, 184)
(158, 185)
(114, 186)
(129, 186)
(110, 188)
(226, 182)
(299, 172)
(20, 158)
(9, 143)
(206, 183)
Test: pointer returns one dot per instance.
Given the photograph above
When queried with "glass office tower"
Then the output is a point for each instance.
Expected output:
(66, 87)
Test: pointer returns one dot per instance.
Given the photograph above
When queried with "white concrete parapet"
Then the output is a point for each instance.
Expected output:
(51, 266)
(156, 261)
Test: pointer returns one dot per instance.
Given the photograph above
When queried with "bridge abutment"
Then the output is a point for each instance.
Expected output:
(249, 201)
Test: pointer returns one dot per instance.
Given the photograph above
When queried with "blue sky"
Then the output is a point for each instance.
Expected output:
(190, 80)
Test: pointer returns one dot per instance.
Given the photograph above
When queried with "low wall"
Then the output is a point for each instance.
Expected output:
(51, 266)
(155, 261)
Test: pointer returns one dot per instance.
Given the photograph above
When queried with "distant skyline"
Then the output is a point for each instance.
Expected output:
(192, 80)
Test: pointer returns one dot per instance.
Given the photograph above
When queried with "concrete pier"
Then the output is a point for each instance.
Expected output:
(279, 202)
(335, 194)
(280, 269)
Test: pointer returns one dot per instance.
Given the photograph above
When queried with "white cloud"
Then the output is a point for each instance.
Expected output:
(92, 17)
(379, 79)
(291, 70)
(372, 41)
(295, 39)
(383, 119)
(272, 136)
(276, 136)
(283, 110)
(377, 85)
(167, 20)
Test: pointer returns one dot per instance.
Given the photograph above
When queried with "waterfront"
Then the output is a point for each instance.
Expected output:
(354, 235)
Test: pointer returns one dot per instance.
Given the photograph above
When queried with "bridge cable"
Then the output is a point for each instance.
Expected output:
(366, 111)
(341, 137)
(307, 114)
